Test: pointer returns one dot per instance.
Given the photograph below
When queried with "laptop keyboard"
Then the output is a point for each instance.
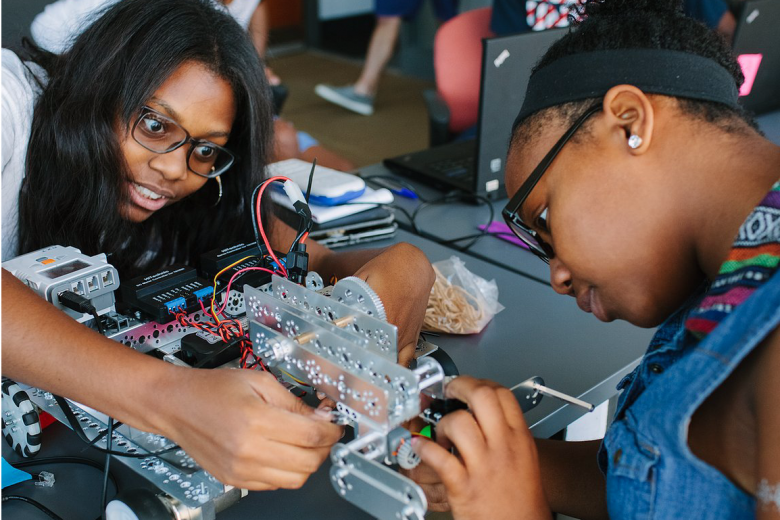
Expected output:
(459, 168)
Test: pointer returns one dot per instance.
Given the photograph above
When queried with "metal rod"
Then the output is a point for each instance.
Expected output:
(306, 337)
(343, 321)
(563, 397)
(366, 440)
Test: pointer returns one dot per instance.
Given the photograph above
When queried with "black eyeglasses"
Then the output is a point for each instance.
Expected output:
(511, 211)
(161, 134)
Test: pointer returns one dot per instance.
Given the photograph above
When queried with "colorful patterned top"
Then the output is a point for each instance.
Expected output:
(753, 259)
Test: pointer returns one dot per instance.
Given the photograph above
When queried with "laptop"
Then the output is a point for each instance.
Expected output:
(757, 48)
(476, 166)
(367, 226)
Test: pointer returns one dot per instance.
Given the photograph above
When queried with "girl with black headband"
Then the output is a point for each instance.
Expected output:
(654, 199)
(145, 141)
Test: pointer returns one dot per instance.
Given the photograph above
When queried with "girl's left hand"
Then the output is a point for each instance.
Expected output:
(403, 277)
(495, 471)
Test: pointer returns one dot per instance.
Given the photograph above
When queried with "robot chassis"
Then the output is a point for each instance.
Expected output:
(335, 339)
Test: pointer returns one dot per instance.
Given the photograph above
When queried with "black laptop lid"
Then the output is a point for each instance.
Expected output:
(757, 45)
(507, 62)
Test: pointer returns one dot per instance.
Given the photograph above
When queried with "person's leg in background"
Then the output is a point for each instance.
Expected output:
(258, 32)
(290, 143)
(380, 50)
(390, 14)
(359, 97)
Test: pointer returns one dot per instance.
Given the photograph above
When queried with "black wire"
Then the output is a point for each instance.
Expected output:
(454, 196)
(255, 225)
(43, 461)
(76, 427)
(99, 323)
(99, 436)
(305, 229)
(107, 468)
(45, 510)
(311, 179)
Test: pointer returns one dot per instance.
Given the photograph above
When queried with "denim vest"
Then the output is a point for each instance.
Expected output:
(650, 471)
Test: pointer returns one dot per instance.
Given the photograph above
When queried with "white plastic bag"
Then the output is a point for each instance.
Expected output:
(460, 301)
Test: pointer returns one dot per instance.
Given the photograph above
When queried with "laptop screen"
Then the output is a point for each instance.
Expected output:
(757, 49)
(477, 165)
(507, 62)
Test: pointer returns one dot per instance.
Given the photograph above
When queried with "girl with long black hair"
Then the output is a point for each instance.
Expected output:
(145, 141)
(636, 175)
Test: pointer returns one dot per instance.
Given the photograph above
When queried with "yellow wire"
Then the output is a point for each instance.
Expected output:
(214, 291)
(294, 378)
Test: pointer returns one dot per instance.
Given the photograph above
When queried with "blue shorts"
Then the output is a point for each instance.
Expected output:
(407, 9)
(305, 141)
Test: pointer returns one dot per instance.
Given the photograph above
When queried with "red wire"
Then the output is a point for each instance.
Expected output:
(227, 290)
(260, 221)
(226, 330)
(207, 313)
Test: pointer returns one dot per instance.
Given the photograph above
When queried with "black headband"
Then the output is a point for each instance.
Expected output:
(655, 71)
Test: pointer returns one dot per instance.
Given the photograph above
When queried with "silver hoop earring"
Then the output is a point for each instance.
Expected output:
(219, 183)
(634, 141)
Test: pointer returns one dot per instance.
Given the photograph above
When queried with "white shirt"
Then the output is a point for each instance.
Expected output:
(19, 92)
(62, 21)
(242, 10)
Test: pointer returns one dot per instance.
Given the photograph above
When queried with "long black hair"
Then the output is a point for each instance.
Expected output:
(640, 24)
(75, 169)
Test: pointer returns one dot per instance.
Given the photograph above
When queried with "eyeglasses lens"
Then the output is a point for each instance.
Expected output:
(162, 135)
(532, 240)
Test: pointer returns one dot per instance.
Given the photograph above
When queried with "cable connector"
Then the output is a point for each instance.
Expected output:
(76, 302)
(303, 209)
(297, 264)
(45, 479)
(293, 192)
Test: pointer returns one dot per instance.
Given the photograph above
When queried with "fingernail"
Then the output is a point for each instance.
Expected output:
(324, 413)
(321, 395)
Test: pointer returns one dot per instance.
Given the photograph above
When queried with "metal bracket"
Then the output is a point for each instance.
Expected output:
(375, 488)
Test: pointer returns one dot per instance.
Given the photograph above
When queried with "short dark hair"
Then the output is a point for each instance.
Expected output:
(640, 24)
(75, 169)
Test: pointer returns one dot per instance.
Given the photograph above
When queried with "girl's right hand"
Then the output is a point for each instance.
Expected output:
(247, 430)
(495, 471)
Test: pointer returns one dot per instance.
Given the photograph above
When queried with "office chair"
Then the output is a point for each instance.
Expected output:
(457, 61)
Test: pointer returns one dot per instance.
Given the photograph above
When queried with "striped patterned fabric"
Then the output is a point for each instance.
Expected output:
(753, 259)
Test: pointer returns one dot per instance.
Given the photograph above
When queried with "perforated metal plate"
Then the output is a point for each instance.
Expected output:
(374, 488)
(382, 334)
(368, 386)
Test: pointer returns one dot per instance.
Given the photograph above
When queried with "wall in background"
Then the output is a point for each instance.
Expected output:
(285, 13)
(17, 15)
(330, 9)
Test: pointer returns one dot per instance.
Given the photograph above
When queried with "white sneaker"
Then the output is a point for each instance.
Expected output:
(346, 97)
